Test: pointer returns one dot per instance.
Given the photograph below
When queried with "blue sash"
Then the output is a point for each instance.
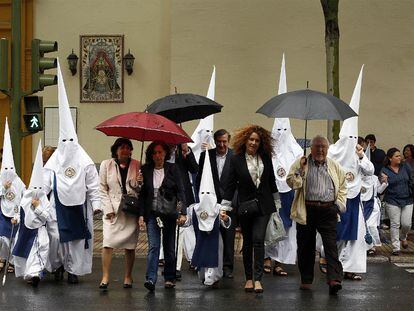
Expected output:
(6, 226)
(71, 221)
(347, 229)
(286, 200)
(206, 251)
(25, 239)
(368, 208)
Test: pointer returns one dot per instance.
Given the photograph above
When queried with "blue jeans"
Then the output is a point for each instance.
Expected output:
(154, 242)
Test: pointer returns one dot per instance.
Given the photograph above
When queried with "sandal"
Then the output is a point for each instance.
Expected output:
(10, 268)
(169, 284)
(267, 269)
(352, 276)
(323, 267)
(371, 252)
(278, 270)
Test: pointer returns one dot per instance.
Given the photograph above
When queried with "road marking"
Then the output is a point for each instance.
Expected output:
(407, 266)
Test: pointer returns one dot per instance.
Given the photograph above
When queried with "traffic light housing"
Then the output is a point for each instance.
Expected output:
(41, 63)
(33, 117)
(4, 65)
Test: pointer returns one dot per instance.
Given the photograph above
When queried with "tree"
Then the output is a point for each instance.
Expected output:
(330, 12)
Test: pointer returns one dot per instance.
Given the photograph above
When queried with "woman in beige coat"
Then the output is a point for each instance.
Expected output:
(119, 175)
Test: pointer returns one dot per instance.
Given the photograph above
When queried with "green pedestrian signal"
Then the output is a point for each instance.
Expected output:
(41, 63)
(33, 113)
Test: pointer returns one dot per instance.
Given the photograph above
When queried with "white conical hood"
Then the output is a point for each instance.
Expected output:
(350, 126)
(344, 150)
(11, 199)
(35, 191)
(70, 159)
(286, 149)
(8, 170)
(36, 180)
(205, 128)
(66, 126)
(208, 209)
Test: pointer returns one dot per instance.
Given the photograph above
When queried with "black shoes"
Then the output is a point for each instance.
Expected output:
(149, 285)
(103, 286)
(35, 281)
(228, 274)
(334, 288)
(59, 273)
(72, 279)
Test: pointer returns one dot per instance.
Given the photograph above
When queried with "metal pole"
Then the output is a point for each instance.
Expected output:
(16, 92)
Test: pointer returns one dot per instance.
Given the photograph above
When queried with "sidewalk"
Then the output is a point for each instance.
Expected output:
(383, 252)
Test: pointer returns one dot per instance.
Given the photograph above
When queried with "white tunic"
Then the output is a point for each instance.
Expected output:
(38, 257)
(209, 275)
(73, 255)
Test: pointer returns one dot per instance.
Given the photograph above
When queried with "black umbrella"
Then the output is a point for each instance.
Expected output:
(184, 107)
(307, 105)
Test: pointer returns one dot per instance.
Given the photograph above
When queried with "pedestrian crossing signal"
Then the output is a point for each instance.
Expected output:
(33, 116)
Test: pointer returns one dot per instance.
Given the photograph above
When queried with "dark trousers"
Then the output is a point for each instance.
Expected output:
(154, 244)
(322, 219)
(228, 236)
(254, 231)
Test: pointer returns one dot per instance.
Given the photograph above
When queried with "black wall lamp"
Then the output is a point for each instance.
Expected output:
(73, 62)
(129, 62)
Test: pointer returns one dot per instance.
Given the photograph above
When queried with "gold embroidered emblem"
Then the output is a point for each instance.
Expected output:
(70, 172)
(349, 176)
(10, 195)
(203, 215)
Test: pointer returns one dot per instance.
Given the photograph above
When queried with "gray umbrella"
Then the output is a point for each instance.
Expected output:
(307, 105)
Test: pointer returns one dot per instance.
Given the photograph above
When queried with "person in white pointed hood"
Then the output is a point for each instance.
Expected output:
(350, 155)
(286, 151)
(11, 192)
(72, 179)
(31, 250)
(371, 187)
(206, 217)
(203, 134)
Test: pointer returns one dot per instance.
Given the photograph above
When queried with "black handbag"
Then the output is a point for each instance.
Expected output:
(249, 208)
(129, 204)
(165, 203)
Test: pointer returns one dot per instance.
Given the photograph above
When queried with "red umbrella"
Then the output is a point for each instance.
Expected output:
(144, 126)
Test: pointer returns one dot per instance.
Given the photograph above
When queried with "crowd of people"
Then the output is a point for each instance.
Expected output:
(287, 205)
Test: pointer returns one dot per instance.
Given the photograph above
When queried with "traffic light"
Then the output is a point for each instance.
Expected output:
(40, 64)
(4, 64)
(33, 116)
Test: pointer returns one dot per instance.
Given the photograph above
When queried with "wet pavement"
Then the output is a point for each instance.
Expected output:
(385, 287)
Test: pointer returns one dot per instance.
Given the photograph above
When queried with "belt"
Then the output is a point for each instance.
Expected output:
(319, 203)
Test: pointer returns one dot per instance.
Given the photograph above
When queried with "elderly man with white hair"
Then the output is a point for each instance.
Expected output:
(320, 195)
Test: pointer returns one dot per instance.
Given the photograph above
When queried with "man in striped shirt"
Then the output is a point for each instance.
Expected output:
(320, 194)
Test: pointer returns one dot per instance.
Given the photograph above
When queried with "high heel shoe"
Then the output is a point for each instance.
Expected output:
(103, 286)
(128, 285)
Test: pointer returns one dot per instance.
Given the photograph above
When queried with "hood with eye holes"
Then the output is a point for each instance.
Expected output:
(8, 170)
(286, 149)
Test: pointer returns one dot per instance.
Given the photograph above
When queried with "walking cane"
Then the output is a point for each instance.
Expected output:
(179, 207)
(6, 266)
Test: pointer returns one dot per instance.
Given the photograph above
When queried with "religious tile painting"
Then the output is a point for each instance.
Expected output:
(101, 66)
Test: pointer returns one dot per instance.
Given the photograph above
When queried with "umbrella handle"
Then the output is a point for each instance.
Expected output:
(304, 144)
(142, 151)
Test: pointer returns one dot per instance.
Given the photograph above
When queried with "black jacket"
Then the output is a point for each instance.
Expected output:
(186, 165)
(239, 179)
(172, 181)
(218, 182)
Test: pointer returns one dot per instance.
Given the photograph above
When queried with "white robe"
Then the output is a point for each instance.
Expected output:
(284, 251)
(9, 210)
(371, 187)
(38, 259)
(210, 275)
(72, 255)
